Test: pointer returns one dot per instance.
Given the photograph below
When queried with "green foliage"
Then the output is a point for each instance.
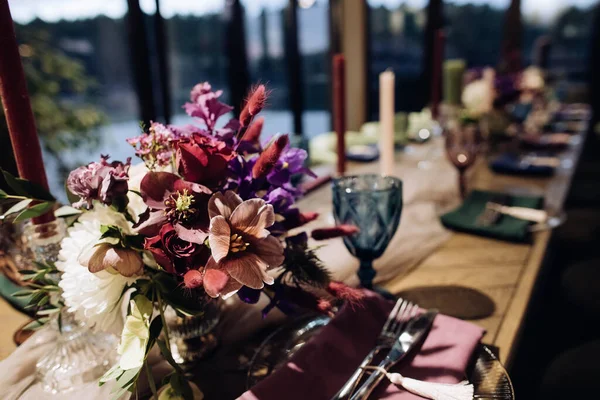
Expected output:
(42, 291)
(25, 192)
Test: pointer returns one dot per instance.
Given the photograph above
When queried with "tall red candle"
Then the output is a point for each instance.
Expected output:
(339, 109)
(17, 108)
(436, 78)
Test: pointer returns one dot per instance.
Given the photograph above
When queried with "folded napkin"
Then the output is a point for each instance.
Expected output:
(464, 218)
(548, 141)
(513, 164)
(7, 289)
(320, 368)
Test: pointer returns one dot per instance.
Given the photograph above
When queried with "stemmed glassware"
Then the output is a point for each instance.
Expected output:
(462, 145)
(373, 203)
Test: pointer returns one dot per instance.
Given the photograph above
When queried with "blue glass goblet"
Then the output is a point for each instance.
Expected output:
(373, 203)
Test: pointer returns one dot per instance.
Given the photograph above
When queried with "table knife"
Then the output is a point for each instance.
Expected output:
(411, 338)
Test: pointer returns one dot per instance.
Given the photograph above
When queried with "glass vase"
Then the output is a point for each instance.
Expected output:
(79, 355)
(192, 338)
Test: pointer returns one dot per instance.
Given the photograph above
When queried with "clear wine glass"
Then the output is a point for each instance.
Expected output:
(373, 203)
(462, 145)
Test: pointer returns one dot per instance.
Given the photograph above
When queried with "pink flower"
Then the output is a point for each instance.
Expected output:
(102, 181)
(243, 250)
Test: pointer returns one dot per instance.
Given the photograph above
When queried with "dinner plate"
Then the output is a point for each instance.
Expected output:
(486, 373)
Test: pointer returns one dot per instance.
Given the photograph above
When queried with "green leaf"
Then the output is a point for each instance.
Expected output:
(113, 373)
(128, 378)
(34, 211)
(66, 211)
(22, 293)
(3, 194)
(27, 188)
(49, 311)
(37, 324)
(155, 329)
(17, 207)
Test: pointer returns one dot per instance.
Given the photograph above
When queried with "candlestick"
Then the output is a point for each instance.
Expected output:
(386, 122)
(436, 79)
(17, 108)
(453, 79)
(339, 109)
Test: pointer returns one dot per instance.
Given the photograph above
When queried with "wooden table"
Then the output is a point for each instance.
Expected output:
(506, 272)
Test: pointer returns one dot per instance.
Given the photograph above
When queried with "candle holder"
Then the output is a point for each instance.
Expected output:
(79, 355)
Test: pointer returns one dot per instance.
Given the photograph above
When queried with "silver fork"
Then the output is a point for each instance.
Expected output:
(402, 312)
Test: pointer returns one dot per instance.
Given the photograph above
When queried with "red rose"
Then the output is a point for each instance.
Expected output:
(174, 254)
(202, 159)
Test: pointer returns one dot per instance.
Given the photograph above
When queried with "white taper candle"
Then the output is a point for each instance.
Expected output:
(386, 122)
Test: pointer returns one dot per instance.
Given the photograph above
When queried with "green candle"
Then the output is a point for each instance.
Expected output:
(453, 77)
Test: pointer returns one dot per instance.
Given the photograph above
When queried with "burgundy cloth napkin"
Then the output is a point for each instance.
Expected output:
(320, 368)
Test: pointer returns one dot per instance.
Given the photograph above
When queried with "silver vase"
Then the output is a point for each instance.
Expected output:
(79, 355)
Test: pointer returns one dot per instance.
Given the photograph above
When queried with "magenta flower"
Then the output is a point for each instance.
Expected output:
(242, 248)
(102, 181)
(206, 105)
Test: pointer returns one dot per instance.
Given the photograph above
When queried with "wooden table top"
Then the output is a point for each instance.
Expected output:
(505, 272)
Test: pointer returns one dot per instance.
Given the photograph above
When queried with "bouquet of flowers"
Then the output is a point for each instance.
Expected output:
(207, 215)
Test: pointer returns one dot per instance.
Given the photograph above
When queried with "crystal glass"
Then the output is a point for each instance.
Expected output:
(79, 355)
(462, 146)
(373, 203)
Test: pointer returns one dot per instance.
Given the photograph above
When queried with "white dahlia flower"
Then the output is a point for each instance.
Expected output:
(95, 298)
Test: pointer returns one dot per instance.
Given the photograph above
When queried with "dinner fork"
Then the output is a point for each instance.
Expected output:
(402, 312)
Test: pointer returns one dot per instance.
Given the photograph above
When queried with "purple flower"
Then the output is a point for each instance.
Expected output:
(206, 105)
(290, 163)
(102, 181)
(280, 199)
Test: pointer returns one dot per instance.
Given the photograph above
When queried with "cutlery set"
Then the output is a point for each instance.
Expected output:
(404, 331)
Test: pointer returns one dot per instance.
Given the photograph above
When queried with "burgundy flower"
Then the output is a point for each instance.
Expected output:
(102, 181)
(174, 254)
(203, 159)
(172, 200)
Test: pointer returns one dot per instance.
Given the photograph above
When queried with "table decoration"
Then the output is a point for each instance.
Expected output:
(386, 121)
(339, 109)
(453, 81)
(205, 216)
(373, 205)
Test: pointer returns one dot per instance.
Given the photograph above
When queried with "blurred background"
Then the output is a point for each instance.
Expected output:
(96, 68)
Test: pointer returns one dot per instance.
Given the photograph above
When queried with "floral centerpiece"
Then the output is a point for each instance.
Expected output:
(207, 215)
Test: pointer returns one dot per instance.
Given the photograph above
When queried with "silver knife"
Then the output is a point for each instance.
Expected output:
(413, 336)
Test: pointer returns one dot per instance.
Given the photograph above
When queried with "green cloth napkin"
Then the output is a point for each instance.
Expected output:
(7, 288)
(464, 218)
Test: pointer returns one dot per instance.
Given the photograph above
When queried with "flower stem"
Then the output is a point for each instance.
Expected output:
(150, 379)
(164, 321)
